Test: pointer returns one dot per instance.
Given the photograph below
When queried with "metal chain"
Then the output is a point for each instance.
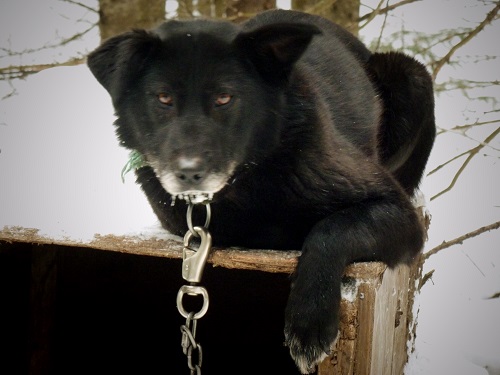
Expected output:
(189, 344)
(192, 269)
(189, 218)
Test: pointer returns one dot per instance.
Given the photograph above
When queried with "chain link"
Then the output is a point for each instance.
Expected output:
(192, 269)
(189, 218)
(189, 344)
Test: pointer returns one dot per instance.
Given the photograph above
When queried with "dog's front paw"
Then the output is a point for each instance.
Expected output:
(310, 333)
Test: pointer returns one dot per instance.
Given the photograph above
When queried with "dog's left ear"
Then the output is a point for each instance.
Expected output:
(273, 49)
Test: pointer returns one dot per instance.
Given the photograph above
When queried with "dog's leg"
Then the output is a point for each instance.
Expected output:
(386, 230)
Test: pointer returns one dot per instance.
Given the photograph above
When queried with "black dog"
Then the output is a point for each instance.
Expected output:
(299, 136)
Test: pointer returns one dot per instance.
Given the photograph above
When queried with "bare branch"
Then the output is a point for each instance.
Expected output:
(465, 127)
(472, 152)
(495, 295)
(80, 5)
(425, 278)
(448, 162)
(60, 43)
(370, 16)
(446, 59)
(463, 134)
(463, 85)
(492, 111)
(381, 30)
(377, 11)
(461, 239)
(12, 72)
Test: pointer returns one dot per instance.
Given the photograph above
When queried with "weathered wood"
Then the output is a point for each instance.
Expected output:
(374, 332)
(246, 259)
(262, 260)
(375, 309)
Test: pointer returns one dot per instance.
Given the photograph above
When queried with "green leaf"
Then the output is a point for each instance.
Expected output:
(135, 161)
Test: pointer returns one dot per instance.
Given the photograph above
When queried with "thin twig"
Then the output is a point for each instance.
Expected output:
(461, 239)
(80, 5)
(450, 161)
(370, 16)
(472, 152)
(494, 295)
(465, 127)
(464, 85)
(463, 134)
(379, 40)
(60, 43)
(377, 11)
(425, 278)
(446, 59)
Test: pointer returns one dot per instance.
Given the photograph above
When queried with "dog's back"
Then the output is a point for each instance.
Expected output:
(400, 136)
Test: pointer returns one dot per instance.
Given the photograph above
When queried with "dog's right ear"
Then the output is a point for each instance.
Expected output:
(274, 48)
(124, 53)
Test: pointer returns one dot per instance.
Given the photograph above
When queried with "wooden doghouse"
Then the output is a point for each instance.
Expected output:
(86, 306)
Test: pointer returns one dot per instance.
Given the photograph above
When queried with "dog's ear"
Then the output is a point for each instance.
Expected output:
(124, 53)
(274, 49)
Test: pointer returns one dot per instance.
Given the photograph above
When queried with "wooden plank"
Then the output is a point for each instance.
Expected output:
(363, 353)
(373, 334)
(384, 313)
(248, 259)
(403, 308)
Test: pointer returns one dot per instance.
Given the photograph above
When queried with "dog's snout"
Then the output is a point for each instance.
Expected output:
(190, 171)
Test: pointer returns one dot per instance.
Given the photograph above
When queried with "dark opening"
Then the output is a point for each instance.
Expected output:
(116, 314)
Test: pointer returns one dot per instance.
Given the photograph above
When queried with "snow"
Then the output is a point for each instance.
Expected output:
(60, 167)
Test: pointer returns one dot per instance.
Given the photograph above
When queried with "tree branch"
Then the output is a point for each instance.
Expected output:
(495, 295)
(80, 5)
(12, 72)
(379, 40)
(446, 59)
(472, 152)
(465, 127)
(60, 43)
(377, 11)
(370, 16)
(464, 85)
(461, 239)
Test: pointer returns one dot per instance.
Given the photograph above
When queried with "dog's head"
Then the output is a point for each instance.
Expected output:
(199, 99)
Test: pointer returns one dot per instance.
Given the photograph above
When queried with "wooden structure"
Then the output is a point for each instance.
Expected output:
(375, 320)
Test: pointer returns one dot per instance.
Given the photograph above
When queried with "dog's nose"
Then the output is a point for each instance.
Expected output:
(190, 171)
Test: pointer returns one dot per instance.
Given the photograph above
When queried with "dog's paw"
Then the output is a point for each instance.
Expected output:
(310, 336)
(306, 357)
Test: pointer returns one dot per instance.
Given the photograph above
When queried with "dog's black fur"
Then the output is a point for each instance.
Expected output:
(304, 138)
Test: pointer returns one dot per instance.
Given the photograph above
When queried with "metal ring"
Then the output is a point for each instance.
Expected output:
(189, 218)
(192, 290)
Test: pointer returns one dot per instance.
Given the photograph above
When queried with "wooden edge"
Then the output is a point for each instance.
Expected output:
(261, 260)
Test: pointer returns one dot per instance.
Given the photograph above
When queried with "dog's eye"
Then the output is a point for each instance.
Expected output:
(223, 99)
(165, 99)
